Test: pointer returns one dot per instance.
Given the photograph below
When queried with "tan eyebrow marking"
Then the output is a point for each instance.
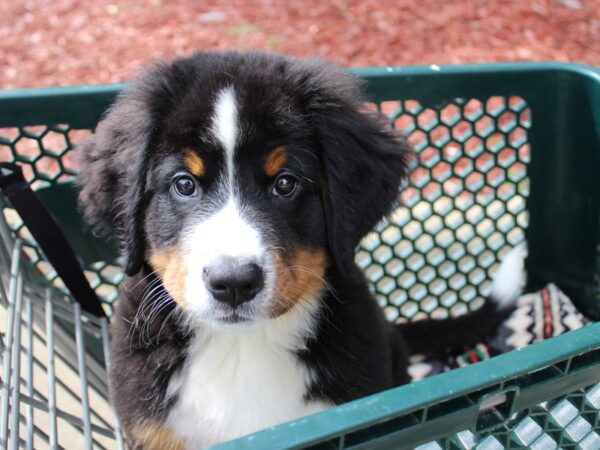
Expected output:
(275, 161)
(194, 163)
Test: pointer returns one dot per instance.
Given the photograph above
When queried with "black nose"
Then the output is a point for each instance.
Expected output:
(233, 283)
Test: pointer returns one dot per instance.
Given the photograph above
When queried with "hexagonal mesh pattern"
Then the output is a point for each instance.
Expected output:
(571, 422)
(462, 209)
(45, 153)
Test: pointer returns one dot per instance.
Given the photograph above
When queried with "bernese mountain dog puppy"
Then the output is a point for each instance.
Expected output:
(239, 186)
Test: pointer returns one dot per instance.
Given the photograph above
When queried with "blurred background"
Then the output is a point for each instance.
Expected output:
(66, 42)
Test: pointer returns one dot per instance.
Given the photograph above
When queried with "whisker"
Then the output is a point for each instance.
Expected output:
(157, 307)
(147, 303)
(148, 300)
(315, 274)
(302, 301)
(173, 312)
(151, 289)
(143, 279)
(160, 303)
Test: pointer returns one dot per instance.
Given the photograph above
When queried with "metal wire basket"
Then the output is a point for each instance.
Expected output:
(503, 151)
(54, 360)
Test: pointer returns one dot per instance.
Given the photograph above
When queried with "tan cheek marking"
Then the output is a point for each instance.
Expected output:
(151, 435)
(275, 161)
(194, 163)
(299, 278)
(169, 266)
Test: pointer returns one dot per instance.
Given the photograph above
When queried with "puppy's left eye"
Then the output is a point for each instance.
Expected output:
(285, 185)
(185, 186)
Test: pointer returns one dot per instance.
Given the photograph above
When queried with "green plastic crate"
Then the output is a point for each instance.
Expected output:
(506, 153)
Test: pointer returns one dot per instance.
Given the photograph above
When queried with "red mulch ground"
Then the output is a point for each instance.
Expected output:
(82, 42)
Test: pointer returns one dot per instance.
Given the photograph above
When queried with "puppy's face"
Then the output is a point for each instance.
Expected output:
(239, 179)
(235, 223)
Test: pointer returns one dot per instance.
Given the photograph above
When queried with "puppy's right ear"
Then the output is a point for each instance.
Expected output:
(113, 174)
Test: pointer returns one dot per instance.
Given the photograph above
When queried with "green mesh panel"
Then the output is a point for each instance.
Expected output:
(47, 157)
(570, 422)
(463, 207)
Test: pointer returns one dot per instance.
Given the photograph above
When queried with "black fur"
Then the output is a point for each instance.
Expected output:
(356, 352)
(144, 357)
(351, 167)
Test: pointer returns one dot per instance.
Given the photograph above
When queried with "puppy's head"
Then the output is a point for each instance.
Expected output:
(239, 179)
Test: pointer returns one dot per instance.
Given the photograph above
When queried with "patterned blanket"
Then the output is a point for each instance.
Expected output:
(539, 315)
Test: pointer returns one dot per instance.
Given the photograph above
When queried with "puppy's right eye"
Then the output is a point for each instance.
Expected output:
(185, 185)
(285, 185)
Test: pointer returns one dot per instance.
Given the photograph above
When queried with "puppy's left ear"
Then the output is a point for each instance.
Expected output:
(363, 165)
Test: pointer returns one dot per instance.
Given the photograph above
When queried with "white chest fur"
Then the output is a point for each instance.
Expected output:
(237, 382)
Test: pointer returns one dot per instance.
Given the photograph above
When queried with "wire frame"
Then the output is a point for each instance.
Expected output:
(54, 359)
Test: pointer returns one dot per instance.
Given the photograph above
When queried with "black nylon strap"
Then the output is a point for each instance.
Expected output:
(49, 237)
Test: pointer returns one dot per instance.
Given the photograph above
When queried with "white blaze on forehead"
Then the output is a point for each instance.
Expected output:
(226, 233)
(224, 124)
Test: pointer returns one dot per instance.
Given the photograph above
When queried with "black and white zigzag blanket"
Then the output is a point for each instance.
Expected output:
(539, 315)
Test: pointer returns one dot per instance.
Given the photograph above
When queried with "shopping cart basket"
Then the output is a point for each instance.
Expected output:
(506, 153)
